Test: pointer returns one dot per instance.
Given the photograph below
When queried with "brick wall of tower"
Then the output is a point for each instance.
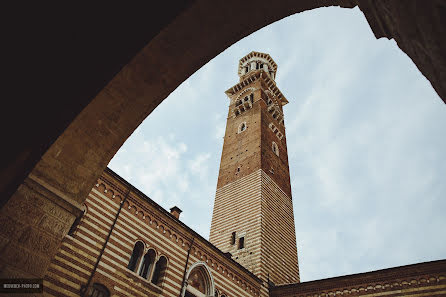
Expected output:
(278, 236)
(241, 150)
(256, 208)
(237, 208)
(270, 160)
(237, 205)
(278, 231)
(140, 219)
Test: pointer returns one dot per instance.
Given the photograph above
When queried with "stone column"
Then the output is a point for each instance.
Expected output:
(33, 223)
(253, 65)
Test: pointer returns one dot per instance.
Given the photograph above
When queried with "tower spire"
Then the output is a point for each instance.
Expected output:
(253, 211)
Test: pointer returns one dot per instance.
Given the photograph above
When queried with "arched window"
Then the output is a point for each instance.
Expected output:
(275, 148)
(242, 127)
(160, 271)
(199, 281)
(98, 290)
(147, 264)
(136, 256)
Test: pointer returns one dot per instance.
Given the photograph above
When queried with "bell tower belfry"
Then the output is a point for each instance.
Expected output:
(253, 211)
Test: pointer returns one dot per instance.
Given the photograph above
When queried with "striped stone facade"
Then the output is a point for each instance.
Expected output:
(264, 211)
(253, 199)
(140, 219)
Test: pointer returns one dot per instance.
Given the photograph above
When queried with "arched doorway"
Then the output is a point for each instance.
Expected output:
(199, 281)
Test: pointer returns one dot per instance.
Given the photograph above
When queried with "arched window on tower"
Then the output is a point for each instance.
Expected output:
(98, 290)
(147, 264)
(136, 255)
(242, 127)
(160, 271)
(275, 148)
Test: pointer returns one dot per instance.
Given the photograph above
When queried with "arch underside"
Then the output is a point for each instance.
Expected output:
(65, 147)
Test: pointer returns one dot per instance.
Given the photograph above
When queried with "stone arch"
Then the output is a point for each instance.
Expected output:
(146, 266)
(107, 102)
(160, 270)
(126, 205)
(245, 92)
(199, 277)
(140, 214)
(119, 199)
(132, 209)
(136, 255)
(242, 127)
(110, 193)
(275, 148)
(162, 228)
(101, 187)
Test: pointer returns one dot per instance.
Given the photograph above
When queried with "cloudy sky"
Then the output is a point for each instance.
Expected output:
(366, 141)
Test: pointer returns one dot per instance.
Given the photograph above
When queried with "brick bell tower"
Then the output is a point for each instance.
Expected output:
(253, 210)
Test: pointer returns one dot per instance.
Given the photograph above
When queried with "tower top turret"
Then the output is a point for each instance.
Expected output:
(256, 61)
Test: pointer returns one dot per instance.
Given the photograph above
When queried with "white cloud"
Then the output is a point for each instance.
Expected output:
(199, 167)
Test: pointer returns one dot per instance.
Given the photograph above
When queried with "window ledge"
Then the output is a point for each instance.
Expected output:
(137, 278)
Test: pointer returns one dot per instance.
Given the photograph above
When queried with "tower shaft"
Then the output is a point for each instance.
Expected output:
(253, 210)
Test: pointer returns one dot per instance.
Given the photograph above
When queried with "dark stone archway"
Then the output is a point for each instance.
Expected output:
(97, 75)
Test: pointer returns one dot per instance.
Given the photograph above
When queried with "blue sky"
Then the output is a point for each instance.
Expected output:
(366, 142)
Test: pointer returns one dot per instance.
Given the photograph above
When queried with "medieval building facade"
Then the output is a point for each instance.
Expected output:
(125, 244)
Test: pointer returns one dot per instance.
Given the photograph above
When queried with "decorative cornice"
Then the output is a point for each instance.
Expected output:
(397, 278)
(260, 55)
(255, 76)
